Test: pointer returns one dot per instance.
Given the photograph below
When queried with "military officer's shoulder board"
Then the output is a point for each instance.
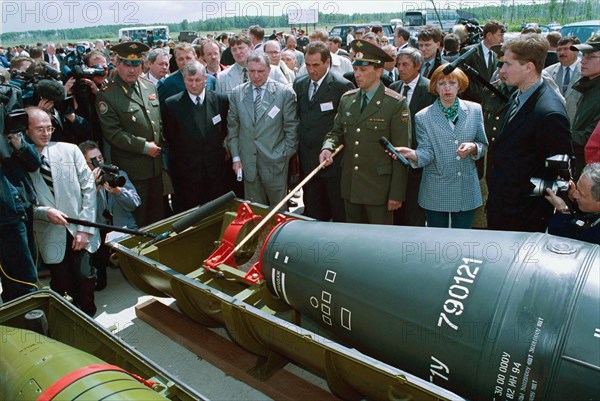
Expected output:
(393, 93)
(108, 87)
(351, 92)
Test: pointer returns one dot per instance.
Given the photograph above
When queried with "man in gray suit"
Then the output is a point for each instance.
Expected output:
(567, 72)
(262, 132)
(414, 87)
(65, 188)
(319, 95)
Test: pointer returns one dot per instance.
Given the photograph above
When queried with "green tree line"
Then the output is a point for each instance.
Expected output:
(563, 11)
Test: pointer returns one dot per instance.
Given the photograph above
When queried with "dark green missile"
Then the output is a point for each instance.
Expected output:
(488, 315)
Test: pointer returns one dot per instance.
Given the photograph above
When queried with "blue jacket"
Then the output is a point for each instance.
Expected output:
(16, 190)
(564, 225)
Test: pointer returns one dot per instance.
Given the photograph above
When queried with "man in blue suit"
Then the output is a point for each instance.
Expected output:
(535, 127)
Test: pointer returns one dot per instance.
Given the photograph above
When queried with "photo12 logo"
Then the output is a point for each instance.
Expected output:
(69, 12)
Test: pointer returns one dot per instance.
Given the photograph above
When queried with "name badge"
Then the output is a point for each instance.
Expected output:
(216, 119)
(274, 111)
(327, 106)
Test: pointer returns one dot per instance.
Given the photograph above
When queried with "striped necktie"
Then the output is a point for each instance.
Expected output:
(513, 109)
(244, 75)
(314, 90)
(47, 174)
(257, 99)
(426, 72)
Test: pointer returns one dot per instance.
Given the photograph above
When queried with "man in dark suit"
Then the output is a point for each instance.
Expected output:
(535, 127)
(195, 128)
(318, 95)
(429, 40)
(129, 114)
(415, 88)
(484, 59)
(372, 187)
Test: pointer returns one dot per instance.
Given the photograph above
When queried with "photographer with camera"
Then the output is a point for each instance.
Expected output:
(116, 199)
(582, 220)
(69, 127)
(18, 272)
(84, 84)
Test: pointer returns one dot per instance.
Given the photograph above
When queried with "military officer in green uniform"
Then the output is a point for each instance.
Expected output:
(129, 114)
(494, 109)
(373, 185)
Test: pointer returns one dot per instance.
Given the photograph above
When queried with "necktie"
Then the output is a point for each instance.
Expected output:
(391, 73)
(513, 109)
(198, 101)
(47, 174)
(405, 90)
(314, 91)
(566, 80)
(135, 89)
(257, 100)
(365, 101)
(244, 75)
(490, 62)
(426, 72)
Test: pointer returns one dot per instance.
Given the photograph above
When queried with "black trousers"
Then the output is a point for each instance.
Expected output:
(76, 277)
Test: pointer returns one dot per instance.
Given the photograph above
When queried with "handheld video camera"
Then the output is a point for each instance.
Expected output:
(14, 122)
(109, 174)
(558, 166)
(474, 30)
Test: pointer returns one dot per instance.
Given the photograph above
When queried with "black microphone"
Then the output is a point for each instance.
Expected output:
(383, 141)
(452, 66)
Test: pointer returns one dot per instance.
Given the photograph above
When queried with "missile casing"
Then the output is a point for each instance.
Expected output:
(488, 315)
(36, 367)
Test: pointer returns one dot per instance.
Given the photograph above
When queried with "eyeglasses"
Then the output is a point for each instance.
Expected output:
(273, 52)
(39, 130)
(441, 84)
(590, 57)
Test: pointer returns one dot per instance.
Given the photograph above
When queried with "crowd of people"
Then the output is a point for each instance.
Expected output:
(126, 134)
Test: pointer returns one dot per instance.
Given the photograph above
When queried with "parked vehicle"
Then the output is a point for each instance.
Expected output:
(187, 36)
(583, 29)
(342, 30)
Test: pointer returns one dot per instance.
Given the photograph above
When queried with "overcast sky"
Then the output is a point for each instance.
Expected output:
(19, 15)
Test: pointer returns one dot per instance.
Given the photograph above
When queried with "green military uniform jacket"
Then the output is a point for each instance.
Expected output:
(128, 121)
(369, 175)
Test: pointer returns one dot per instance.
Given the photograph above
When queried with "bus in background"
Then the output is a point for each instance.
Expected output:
(414, 20)
(145, 34)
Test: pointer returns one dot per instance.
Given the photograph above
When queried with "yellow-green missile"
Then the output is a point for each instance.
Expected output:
(35, 367)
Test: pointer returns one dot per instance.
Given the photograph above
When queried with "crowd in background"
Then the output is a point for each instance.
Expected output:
(185, 123)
